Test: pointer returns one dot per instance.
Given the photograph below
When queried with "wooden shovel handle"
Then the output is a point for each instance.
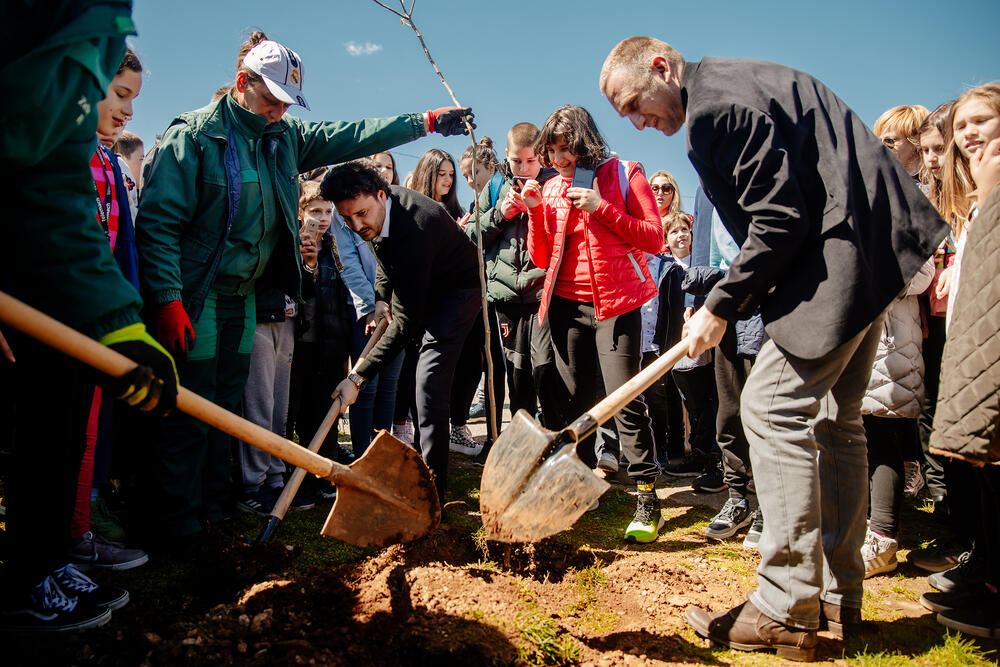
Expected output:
(284, 501)
(619, 398)
(74, 344)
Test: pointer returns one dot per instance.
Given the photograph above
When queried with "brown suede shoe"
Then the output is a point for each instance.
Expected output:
(837, 619)
(746, 628)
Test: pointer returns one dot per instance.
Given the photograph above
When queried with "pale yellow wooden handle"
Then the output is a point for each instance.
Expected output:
(284, 501)
(74, 344)
(620, 397)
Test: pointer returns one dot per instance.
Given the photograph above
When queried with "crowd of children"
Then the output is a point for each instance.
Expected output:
(591, 271)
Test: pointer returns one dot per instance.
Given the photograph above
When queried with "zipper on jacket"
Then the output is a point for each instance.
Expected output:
(635, 265)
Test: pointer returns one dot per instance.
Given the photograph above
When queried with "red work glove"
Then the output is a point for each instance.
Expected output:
(173, 328)
(449, 121)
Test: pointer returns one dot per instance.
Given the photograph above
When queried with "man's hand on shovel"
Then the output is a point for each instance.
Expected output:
(703, 331)
(347, 391)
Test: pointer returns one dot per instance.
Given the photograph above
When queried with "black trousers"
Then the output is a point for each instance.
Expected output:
(406, 405)
(447, 324)
(989, 490)
(582, 344)
(889, 440)
(472, 366)
(731, 371)
(666, 414)
(317, 369)
(697, 389)
(933, 348)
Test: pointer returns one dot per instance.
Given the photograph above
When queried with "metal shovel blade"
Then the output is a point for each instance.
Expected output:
(527, 492)
(386, 496)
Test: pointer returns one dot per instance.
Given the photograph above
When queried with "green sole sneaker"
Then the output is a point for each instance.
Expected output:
(644, 531)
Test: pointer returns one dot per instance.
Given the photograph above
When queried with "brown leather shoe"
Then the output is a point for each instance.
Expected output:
(746, 628)
(837, 619)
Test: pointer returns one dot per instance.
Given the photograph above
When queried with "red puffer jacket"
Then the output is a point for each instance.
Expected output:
(618, 233)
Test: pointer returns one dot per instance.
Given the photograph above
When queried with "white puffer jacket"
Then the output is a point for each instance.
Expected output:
(896, 386)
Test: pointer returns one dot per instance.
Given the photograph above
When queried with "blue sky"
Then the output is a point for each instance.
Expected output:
(516, 61)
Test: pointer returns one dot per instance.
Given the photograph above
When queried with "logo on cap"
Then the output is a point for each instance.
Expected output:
(294, 76)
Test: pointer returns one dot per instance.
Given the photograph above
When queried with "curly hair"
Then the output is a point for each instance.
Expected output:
(577, 128)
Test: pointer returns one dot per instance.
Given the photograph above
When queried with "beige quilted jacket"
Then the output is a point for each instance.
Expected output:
(896, 386)
(967, 421)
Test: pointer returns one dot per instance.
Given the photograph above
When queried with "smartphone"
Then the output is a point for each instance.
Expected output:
(583, 178)
(311, 227)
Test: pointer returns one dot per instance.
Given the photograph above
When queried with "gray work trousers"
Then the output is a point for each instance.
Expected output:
(265, 401)
(808, 450)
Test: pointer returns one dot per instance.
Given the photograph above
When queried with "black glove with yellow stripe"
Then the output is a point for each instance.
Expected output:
(151, 386)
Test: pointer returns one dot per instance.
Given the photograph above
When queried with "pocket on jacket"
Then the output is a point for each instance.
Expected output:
(635, 265)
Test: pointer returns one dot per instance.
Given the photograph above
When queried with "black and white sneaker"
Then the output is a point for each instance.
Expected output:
(73, 582)
(691, 464)
(752, 539)
(49, 609)
(734, 515)
(710, 481)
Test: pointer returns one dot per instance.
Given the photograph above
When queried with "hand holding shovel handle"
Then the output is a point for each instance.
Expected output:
(284, 501)
(385, 496)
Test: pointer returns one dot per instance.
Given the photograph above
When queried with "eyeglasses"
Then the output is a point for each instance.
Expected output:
(665, 189)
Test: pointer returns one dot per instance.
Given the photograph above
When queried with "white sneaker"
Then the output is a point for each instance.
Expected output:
(461, 441)
(879, 554)
(913, 481)
(608, 462)
(403, 432)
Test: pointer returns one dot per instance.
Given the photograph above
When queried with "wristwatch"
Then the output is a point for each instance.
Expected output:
(358, 381)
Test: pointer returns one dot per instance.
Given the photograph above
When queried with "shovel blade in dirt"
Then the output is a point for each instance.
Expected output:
(514, 513)
(391, 483)
(534, 484)
(366, 515)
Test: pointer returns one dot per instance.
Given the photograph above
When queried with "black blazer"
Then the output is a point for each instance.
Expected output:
(424, 258)
(830, 224)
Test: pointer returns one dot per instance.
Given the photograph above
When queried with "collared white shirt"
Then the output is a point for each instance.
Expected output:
(384, 234)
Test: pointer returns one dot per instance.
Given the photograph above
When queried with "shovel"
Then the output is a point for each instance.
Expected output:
(386, 496)
(284, 500)
(534, 484)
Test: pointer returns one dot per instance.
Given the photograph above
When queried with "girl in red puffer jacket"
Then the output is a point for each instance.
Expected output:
(591, 240)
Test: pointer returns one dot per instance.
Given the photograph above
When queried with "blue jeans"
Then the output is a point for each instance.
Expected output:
(373, 410)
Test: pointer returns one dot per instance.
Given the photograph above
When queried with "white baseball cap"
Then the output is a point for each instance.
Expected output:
(281, 69)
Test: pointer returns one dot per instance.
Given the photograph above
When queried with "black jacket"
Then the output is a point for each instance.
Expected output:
(424, 258)
(830, 224)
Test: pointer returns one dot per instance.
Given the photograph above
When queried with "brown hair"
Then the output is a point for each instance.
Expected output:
(675, 203)
(905, 120)
(256, 37)
(936, 120)
(485, 157)
(577, 127)
(521, 135)
(395, 171)
(127, 144)
(634, 55)
(308, 193)
(220, 93)
(673, 219)
(425, 176)
(956, 177)
(129, 61)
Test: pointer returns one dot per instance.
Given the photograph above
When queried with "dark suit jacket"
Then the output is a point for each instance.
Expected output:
(424, 258)
(830, 224)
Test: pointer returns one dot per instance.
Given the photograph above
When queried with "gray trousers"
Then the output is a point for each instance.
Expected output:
(807, 446)
(265, 401)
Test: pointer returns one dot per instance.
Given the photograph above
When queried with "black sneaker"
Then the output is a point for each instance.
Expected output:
(691, 465)
(752, 539)
(710, 481)
(734, 515)
(270, 496)
(939, 557)
(256, 502)
(982, 620)
(49, 609)
(76, 583)
(480, 458)
(970, 573)
(939, 602)
(91, 551)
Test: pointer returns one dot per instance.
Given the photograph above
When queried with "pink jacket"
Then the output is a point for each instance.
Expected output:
(624, 226)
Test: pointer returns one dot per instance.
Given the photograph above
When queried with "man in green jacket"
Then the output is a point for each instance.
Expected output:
(218, 211)
(56, 61)
(514, 283)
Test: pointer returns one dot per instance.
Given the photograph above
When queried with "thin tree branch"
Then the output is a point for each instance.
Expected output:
(402, 16)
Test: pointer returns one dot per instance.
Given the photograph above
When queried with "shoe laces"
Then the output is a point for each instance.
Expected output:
(729, 510)
(51, 596)
(71, 579)
(646, 508)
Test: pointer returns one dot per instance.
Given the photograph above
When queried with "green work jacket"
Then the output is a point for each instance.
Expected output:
(221, 197)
